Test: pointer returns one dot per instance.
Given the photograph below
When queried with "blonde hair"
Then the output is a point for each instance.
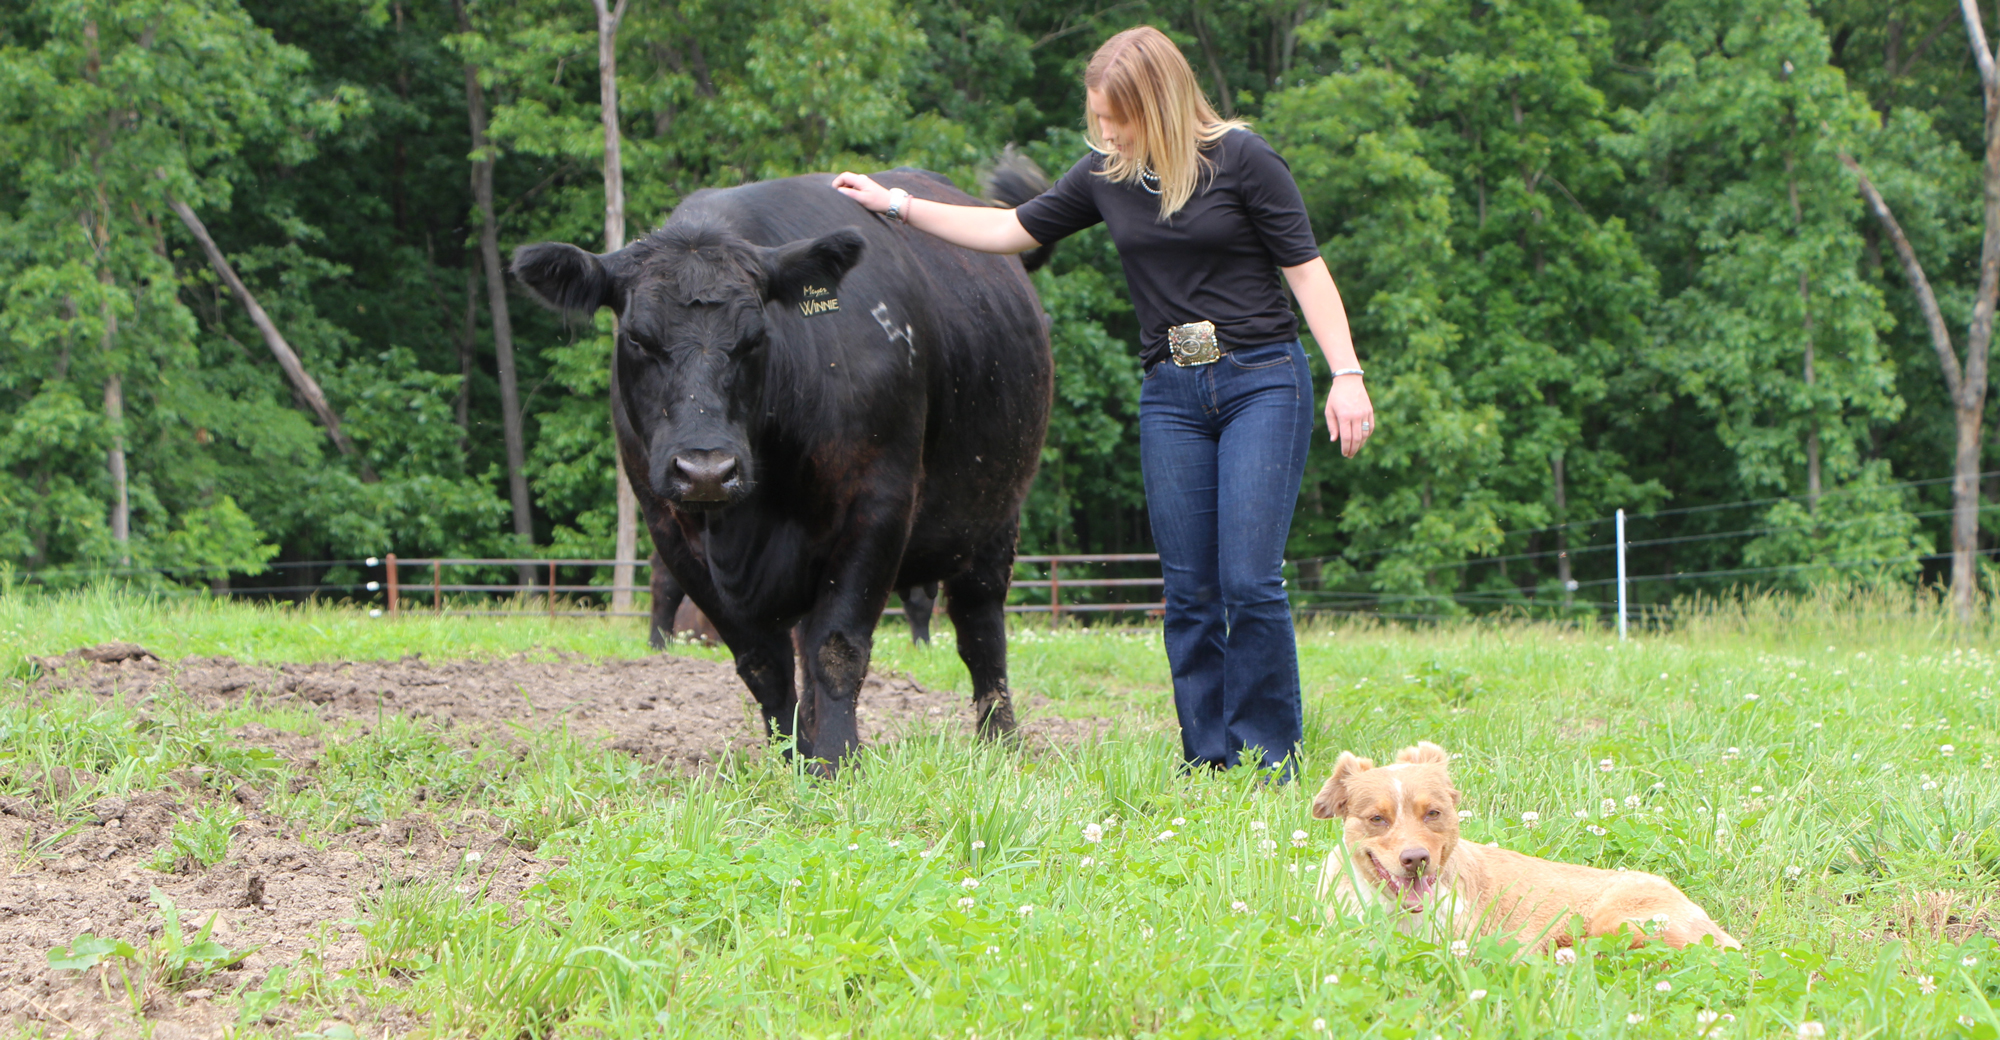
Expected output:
(1150, 87)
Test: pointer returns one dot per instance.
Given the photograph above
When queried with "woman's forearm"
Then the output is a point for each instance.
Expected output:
(985, 228)
(1313, 284)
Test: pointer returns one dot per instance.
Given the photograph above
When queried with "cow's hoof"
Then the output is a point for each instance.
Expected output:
(996, 717)
(820, 769)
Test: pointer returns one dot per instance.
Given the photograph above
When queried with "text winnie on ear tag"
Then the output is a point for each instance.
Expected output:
(818, 301)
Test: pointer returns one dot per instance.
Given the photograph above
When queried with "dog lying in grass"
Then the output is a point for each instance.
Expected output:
(1402, 854)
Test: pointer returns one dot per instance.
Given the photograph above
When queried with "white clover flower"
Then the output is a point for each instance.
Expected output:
(992, 949)
(1319, 1025)
(1178, 821)
(926, 854)
(1595, 829)
(1605, 765)
(472, 859)
(1087, 862)
(1968, 962)
(1608, 806)
(1794, 871)
(1663, 986)
(1927, 984)
(895, 842)
(1267, 844)
(1661, 919)
(967, 902)
(1583, 814)
(1660, 785)
(1947, 750)
(1291, 868)
(796, 883)
(1298, 839)
(1811, 1030)
(851, 846)
(1531, 818)
(1145, 931)
(1025, 1006)
(1967, 1021)
(1705, 1018)
(1633, 801)
(1565, 956)
(1930, 785)
(1459, 948)
(1093, 833)
(1477, 994)
(1330, 979)
(1701, 810)
(1238, 906)
(1025, 909)
(1750, 697)
(1111, 821)
(1634, 1018)
(1256, 825)
(968, 883)
(1164, 835)
(1734, 751)
(978, 845)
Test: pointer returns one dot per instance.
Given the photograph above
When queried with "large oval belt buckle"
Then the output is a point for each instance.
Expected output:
(1193, 344)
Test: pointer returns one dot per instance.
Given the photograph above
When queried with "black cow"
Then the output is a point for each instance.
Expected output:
(818, 406)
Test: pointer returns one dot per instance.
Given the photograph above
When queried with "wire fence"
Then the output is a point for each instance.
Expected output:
(1592, 581)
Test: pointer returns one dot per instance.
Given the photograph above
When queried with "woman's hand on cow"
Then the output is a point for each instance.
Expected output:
(1349, 414)
(862, 188)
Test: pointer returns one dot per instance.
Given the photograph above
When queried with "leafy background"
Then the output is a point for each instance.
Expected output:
(1586, 247)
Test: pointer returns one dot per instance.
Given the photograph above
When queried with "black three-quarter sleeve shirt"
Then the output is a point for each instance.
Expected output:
(1216, 260)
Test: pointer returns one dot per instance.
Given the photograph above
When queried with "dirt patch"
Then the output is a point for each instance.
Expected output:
(681, 711)
(297, 897)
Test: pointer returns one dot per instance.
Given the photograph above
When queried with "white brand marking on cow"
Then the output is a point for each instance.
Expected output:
(881, 315)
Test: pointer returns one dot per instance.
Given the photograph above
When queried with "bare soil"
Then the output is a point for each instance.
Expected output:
(294, 895)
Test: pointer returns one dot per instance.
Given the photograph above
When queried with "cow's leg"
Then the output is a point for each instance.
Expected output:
(667, 596)
(919, 601)
(837, 637)
(764, 661)
(978, 609)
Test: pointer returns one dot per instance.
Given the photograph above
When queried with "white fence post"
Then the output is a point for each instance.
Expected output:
(1621, 574)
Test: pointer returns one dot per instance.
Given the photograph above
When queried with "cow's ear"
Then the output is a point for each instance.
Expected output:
(819, 263)
(564, 277)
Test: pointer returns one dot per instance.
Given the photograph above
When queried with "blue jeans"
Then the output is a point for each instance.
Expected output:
(1223, 447)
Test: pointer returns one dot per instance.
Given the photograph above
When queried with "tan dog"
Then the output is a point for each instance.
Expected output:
(1403, 854)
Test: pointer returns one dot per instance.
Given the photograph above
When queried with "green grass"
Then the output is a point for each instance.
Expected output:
(1785, 762)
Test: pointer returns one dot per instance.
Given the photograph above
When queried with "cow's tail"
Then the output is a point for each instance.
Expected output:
(1015, 179)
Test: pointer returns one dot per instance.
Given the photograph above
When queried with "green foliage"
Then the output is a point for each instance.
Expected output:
(199, 841)
(1587, 247)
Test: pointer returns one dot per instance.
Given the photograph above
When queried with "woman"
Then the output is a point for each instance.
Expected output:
(1204, 215)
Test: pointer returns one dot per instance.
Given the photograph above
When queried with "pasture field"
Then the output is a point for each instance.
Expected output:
(1820, 776)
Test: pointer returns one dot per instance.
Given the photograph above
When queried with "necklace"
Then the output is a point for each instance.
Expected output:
(1149, 180)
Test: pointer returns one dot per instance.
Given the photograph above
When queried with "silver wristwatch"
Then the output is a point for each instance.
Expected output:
(898, 198)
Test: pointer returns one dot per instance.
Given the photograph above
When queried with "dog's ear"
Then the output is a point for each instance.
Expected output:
(1424, 754)
(1331, 801)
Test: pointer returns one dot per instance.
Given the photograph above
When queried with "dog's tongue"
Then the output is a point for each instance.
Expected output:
(1412, 890)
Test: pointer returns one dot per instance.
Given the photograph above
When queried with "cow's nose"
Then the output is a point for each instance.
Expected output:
(1417, 860)
(707, 475)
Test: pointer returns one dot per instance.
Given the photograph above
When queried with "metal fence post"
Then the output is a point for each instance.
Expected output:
(1621, 574)
(437, 586)
(390, 562)
(552, 590)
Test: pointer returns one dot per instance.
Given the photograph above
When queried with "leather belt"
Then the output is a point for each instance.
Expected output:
(1193, 344)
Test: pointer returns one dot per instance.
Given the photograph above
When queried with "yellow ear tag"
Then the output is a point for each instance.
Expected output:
(818, 301)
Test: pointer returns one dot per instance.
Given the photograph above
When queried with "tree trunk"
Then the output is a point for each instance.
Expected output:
(468, 344)
(288, 359)
(627, 545)
(1222, 99)
(496, 302)
(114, 462)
